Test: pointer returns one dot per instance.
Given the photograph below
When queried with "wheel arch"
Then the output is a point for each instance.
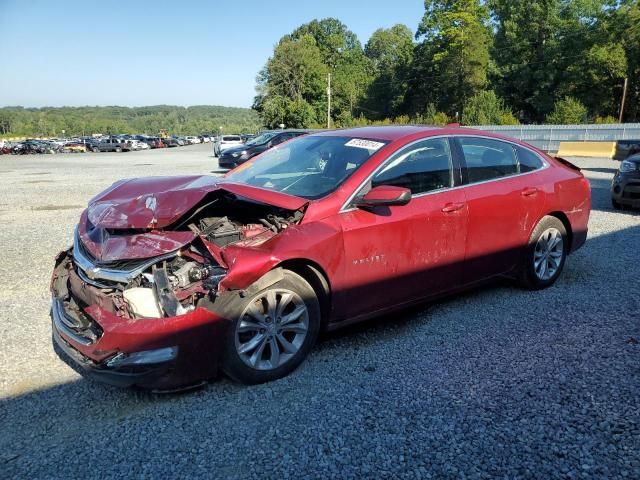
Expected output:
(317, 278)
(567, 225)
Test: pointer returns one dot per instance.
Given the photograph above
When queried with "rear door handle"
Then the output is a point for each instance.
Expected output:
(527, 192)
(452, 207)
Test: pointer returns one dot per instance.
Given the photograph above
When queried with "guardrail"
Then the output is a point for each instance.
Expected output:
(548, 137)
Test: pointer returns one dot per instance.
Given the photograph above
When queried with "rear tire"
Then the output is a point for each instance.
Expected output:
(544, 255)
(118, 150)
(284, 316)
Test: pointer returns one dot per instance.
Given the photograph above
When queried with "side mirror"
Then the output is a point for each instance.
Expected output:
(384, 196)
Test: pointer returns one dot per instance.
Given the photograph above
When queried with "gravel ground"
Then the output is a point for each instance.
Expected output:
(497, 382)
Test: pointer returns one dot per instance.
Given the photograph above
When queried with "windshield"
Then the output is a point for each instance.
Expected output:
(263, 138)
(309, 167)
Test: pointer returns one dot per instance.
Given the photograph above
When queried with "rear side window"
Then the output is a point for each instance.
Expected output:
(230, 139)
(488, 159)
(528, 160)
(422, 167)
(278, 140)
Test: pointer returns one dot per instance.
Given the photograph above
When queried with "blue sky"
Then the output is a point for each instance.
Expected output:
(133, 53)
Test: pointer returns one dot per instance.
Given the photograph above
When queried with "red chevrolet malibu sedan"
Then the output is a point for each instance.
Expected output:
(172, 279)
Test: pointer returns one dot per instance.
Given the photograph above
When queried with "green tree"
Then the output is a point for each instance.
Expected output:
(292, 83)
(342, 53)
(391, 54)
(567, 111)
(545, 50)
(485, 108)
(620, 21)
(301, 63)
(452, 61)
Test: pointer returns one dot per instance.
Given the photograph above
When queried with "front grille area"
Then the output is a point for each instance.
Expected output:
(73, 323)
(632, 191)
(631, 195)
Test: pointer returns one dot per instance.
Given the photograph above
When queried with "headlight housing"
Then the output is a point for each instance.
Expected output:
(627, 166)
(239, 154)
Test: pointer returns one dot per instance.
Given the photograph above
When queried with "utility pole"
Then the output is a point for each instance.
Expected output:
(624, 97)
(328, 100)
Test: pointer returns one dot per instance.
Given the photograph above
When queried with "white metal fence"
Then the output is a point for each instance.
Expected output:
(548, 137)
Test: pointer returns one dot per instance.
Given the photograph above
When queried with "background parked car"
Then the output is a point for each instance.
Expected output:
(74, 147)
(34, 146)
(154, 142)
(232, 157)
(224, 142)
(113, 144)
(625, 187)
(192, 139)
(137, 144)
(170, 142)
(626, 148)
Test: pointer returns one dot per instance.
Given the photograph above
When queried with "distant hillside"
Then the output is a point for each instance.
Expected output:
(51, 121)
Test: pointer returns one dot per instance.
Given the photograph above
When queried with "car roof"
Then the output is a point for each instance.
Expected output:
(392, 132)
(396, 132)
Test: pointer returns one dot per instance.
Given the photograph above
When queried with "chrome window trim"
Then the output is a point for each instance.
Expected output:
(346, 208)
(112, 275)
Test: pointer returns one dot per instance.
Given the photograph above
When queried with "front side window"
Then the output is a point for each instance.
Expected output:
(261, 139)
(423, 167)
(488, 159)
(309, 166)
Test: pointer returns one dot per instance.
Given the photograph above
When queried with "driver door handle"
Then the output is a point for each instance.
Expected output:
(527, 192)
(452, 207)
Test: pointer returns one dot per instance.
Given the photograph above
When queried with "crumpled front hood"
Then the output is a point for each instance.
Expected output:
(157, 202)
(106, 248)
(148, 206)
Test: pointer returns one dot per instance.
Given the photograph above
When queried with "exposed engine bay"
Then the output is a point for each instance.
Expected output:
(247, 220)
(168, 285)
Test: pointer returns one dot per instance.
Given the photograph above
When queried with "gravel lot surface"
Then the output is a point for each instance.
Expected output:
(497, 382)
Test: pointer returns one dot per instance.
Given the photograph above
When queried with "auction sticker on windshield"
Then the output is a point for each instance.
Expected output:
(367, 144)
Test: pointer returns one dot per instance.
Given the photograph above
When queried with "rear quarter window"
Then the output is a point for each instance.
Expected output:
(528, 160)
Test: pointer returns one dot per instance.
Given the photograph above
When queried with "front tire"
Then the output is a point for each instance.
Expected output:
(274, 331)
(616, 205)
(545, 254)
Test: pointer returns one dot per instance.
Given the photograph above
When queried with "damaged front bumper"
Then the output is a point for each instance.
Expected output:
(161, 354)
(167, 353)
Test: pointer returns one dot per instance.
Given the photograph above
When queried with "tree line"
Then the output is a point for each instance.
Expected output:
(473, 61)
(71, 121)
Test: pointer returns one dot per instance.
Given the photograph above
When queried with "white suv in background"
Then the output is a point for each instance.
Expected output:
(193, 140)
(225, 141)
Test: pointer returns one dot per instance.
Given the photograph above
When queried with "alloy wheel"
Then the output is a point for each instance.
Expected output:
(271, 329)
(548, 253)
